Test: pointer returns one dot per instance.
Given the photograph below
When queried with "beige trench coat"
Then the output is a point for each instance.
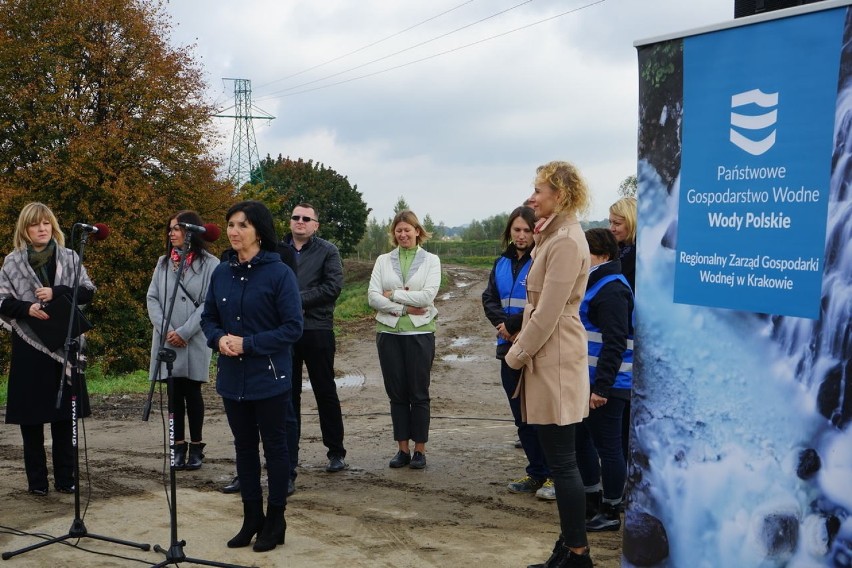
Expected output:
(552, 345)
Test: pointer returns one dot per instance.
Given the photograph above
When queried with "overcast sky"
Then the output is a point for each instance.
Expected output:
(451, 104)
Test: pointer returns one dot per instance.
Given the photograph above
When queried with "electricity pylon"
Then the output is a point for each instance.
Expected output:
(244, 165)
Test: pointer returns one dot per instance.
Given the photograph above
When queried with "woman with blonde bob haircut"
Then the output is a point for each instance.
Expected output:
(551, 348)
(622, 224)
(402, 290)
(32, 214)
(39, 271)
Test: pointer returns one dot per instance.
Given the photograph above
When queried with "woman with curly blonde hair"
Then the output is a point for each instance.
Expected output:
(551, 348)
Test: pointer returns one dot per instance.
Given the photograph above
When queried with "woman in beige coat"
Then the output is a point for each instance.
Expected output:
(552, 347)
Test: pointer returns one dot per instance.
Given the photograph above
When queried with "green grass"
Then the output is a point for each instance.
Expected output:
(98, 383)
(351, 307)
(352, 303)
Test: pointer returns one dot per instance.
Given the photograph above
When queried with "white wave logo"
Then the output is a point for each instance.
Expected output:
(754, 122)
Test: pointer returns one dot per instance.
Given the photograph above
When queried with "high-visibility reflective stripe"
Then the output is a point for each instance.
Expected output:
(598, 338)
(625, 367)
(513, 302)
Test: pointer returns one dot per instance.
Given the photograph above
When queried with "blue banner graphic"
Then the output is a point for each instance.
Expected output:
(758, 129)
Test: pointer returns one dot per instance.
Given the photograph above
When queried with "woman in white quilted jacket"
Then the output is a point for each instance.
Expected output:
(402, 290)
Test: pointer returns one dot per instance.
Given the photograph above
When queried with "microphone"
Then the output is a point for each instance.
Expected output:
(212, 232)
(99, 230)
(193, 228)
(209, 232)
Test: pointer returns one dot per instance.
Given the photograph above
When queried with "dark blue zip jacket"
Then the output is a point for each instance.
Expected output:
(259, 301)
(607, 314)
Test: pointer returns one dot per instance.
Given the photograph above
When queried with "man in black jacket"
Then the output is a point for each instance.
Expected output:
(320, 275)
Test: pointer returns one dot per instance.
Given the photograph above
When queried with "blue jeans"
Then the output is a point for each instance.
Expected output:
(527, 433)
(251, 422)
(600, 454)
(558, 445)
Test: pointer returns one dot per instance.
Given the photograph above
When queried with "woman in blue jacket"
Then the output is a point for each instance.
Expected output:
(606, 312)
(252, 316)
(503, 300)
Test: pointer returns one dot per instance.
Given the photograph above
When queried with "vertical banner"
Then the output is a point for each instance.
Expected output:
(741, 448)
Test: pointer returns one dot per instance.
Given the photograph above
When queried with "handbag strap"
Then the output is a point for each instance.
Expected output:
(194, 301)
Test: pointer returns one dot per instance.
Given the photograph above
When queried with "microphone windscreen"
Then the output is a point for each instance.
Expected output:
(212, 232)
(103, 232)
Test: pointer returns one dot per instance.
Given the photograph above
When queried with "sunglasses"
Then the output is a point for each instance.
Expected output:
(302, 218)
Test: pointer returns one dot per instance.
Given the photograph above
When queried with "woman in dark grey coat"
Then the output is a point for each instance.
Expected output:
(191, 369)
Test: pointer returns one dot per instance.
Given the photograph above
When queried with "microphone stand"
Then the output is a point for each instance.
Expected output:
(174, 554)
(78, 527)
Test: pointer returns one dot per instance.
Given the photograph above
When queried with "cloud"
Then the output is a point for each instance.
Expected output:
(458, 135)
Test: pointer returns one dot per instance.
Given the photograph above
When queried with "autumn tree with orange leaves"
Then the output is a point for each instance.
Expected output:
(103, 121)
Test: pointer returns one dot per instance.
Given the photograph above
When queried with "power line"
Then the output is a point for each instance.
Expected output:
(500, 13)
(433, 56)
(369, 45)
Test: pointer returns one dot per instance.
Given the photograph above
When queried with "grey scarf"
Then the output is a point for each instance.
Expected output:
(18, 280)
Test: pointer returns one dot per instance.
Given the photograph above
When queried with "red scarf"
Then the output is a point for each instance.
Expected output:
(176, 259)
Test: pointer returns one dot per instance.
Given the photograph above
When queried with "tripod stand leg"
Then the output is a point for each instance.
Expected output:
(77, 530)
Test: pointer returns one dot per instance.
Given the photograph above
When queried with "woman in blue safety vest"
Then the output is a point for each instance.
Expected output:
(606, 312)
(503, 300)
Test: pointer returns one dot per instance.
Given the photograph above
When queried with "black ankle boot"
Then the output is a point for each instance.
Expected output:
(571, 559)
(180, 455)
(557, 549)
(608, 519)
(593, 504)
(253, 523)
(196, 457)
(273, 531)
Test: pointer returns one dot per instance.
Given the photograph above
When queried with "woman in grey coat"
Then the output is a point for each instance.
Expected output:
(183, 335)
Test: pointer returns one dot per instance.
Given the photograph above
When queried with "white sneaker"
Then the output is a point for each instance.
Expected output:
(547, 491)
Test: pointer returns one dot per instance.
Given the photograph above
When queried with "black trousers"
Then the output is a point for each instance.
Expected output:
(188, 402)
(558, 445)
(35, 459)
(253, 421)
(316, 351)
(406, 362)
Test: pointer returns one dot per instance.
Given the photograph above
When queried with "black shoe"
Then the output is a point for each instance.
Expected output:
(401, 459)
(563, 557)
(335, 464)
(67, 489)
(274, 529)
(554, 556)
(418, 461)
(593, 504)
(180, 455)
(608, 519)
(291, 487)
(574, 560)
(196, 456)
(233, 486)
(253, 521)
(37, 492)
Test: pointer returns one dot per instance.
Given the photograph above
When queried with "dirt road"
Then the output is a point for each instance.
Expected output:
(456, 513)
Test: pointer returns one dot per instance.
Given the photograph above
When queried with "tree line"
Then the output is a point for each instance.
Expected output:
(104, 121)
